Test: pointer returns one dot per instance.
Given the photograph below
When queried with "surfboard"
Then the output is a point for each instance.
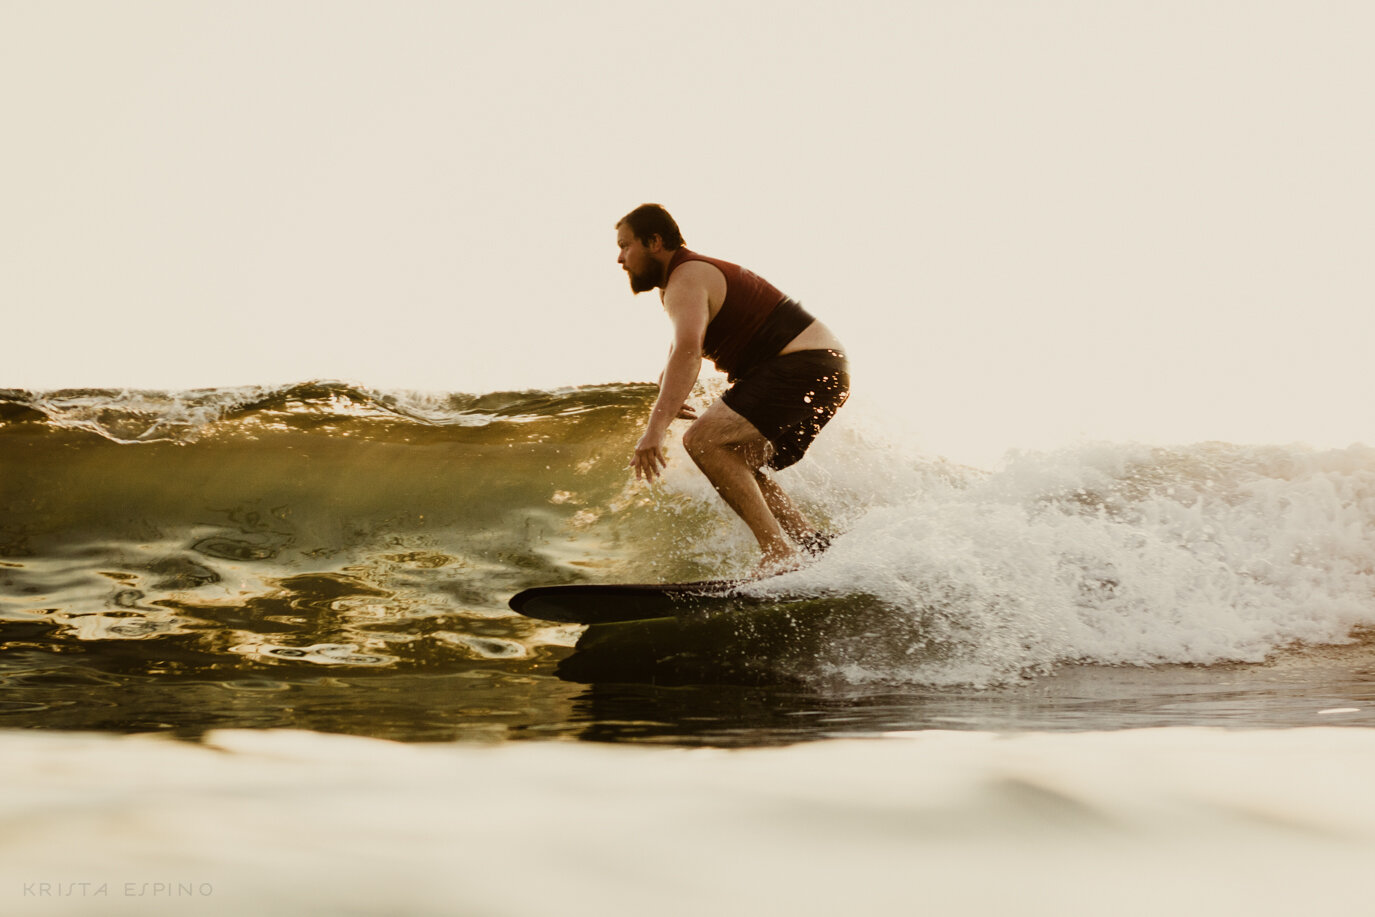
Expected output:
(604, 603)
(737, 639)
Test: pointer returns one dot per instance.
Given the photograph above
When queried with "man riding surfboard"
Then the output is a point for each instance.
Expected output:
(787, 370)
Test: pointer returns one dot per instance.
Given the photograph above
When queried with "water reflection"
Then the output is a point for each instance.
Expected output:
(258, 619)
(55, 676)
(196, 630)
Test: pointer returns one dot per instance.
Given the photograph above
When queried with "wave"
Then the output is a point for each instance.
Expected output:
(1110, 554)
(137, 416)
(323, 525)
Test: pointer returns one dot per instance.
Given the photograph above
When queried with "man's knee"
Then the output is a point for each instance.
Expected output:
(703, 438)
(696, 440)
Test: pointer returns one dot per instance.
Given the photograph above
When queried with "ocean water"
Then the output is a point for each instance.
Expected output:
(329, 558)
(257, 651)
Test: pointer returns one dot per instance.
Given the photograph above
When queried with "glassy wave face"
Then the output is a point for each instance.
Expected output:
(340, 558)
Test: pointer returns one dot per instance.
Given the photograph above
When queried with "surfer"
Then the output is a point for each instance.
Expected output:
(788, 376)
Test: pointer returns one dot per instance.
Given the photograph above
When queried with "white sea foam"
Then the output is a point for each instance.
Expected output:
(1103, 553)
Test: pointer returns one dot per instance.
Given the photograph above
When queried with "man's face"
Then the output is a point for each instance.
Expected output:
(645, 273)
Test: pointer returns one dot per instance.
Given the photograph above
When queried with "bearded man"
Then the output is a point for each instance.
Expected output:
(788, 376)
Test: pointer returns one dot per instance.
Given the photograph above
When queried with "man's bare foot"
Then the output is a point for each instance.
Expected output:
(777, 566)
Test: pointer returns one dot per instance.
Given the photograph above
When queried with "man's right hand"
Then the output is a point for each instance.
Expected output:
(650, 458)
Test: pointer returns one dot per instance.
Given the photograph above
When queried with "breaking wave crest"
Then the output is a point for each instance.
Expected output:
(322, 526)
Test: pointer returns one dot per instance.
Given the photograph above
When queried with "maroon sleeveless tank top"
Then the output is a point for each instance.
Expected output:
(754, 323)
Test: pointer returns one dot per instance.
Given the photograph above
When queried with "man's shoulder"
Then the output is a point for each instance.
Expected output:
(697, 268)
(695, 272)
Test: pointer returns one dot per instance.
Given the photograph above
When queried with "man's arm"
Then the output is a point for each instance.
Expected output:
(685, 300)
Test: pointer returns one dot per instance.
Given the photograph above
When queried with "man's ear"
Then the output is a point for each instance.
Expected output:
(655, 243)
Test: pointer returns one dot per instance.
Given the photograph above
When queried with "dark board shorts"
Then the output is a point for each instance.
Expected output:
(789, 398)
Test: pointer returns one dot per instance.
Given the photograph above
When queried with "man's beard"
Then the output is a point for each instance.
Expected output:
(643, 283)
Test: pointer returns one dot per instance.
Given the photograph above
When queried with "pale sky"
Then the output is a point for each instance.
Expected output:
(1032, 222)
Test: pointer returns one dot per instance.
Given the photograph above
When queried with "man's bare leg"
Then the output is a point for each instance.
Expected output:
(730, 452)
(798, 527)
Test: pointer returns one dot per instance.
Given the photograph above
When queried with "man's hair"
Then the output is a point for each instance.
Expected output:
(649, 220)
